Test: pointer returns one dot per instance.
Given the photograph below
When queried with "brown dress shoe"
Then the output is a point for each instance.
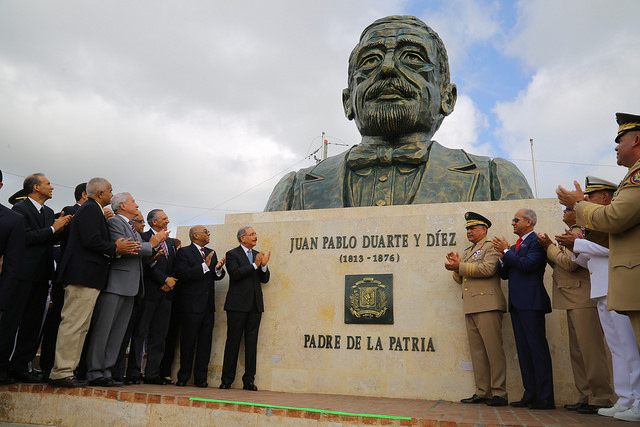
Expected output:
(68, 382)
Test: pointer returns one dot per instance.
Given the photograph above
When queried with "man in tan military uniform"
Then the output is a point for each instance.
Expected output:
(621, 219)
(483, 304)
(572, 292)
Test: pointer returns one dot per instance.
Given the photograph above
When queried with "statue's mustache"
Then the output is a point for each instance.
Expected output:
(394, 85)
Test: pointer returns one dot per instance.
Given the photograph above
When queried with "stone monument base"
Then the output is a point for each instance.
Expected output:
(359, 301)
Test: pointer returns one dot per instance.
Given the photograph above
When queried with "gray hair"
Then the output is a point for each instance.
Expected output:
(242, 232)
(153, 214)
(117, 199)
(94, 185)
(530, 215)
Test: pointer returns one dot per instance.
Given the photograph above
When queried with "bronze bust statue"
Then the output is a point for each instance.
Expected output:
(398, 94)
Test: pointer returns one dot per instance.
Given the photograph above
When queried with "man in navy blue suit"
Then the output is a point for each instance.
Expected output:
(523, 265)
(197, 268)
(12, 238)
(35, 269)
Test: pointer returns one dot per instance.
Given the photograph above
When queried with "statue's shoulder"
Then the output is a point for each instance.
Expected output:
(507, 182)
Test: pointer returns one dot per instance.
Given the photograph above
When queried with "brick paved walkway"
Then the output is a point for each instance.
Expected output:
(332, 408)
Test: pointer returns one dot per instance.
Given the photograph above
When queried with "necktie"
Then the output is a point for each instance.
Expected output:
(250, 255)
(518, 243)
(133, 229)
(163, 245)
(202, 253)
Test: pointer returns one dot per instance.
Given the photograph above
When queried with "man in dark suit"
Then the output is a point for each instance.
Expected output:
(195, 299)
(12, 238)
(523, 265)
(84, 269)
(244, 306)
(154, 311)
(115, 303)
(34, 272)
(52, 322)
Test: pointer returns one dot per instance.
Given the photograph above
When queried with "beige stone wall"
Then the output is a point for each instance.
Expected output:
(306, 296)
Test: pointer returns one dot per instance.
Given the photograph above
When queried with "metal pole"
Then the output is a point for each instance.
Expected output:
(324, 147)
(533, 161)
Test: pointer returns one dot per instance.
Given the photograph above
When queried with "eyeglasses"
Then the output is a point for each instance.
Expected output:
(205, 231)
(515, 220)
(139, 221)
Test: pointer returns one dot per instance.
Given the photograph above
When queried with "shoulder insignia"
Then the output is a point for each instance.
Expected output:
(635, 178)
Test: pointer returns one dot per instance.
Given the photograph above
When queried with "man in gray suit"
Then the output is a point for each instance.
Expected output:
(115, 303)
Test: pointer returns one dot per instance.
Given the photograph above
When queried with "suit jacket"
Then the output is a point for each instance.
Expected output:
(621, 219)
(245, 282)
(12, 243)
(156, 274)
(476, 178)
(195, 290)
(37, 262)
(478, 275)
(125, 274)
(525, 270)
(571, 282)
(89, 249)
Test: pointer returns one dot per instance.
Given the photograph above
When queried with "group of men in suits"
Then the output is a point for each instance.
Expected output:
(107, 266)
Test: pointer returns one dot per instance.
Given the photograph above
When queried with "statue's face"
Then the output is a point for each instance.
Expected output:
(395, 86)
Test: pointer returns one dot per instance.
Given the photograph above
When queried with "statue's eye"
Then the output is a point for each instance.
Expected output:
(412, 57)
(369, 61)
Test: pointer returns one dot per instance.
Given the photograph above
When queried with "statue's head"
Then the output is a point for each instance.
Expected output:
(398, 79)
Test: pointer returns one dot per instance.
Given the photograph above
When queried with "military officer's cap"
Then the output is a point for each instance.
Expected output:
(18, 196)
(626, 123)
(592, 184)
(476, 219)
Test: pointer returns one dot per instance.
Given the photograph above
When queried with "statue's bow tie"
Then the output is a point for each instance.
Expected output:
(362, 156)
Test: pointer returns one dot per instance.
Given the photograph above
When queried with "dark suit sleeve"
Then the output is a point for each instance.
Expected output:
(13, 253)
(89, 231)
(34, 235)
(503, 269)
(238, 270)
(533, 259)
(187, 268)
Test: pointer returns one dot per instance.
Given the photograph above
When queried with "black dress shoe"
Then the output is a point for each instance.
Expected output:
(542, 404)
(589, 409)
(181, 383)
(154, 380)
(6, 379)
(474, 399)
(574, 406)
(105, 382)
(166, 381)
(132, 380)
(27, 377)
(497, 401)
(68, 382)
(225, 386)
(251, 387)
(522, 403)
(202, 384)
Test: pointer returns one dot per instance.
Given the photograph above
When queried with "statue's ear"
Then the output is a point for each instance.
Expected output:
(448, 100)
(346, 104)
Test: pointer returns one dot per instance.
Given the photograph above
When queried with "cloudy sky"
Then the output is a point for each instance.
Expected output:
(198, 107)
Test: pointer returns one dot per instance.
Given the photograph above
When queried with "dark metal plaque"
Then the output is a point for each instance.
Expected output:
(368, 298)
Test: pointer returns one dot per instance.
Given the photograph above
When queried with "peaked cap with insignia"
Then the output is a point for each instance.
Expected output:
(626, 122)
(476, 219)
(592, 184)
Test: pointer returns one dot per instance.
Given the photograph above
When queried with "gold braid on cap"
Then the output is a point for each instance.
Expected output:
(628, 126)
(472, 222)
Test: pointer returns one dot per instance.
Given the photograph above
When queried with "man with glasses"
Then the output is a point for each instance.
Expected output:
(197, 268)
(244, 306)
(523, 265)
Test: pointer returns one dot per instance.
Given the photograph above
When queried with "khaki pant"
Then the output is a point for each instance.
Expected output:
(79, 302)
(487, 354)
